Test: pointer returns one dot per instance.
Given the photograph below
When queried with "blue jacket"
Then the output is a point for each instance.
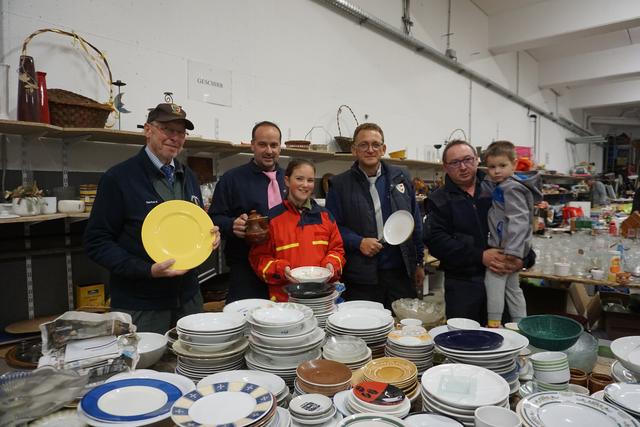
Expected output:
(113, 235)
(240, 190)
(350, 202)
(456, 228)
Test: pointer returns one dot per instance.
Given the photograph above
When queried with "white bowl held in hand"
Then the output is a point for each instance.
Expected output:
(151, 347)
(311, 274)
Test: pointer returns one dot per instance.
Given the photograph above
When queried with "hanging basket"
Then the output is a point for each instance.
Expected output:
(344, 142)
(71, 110)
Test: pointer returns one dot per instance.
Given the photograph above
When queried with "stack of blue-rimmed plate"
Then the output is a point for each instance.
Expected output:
(371, 325)
(493, 349)
(130, 401)
(271, 382)
(236, 403)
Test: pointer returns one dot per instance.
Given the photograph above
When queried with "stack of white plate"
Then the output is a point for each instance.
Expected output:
(371, 325)
(456, 390)
(352, 351)
(282, 337)
(412, 344)
(558, 409)
(235, 403)
(624, 396)
(313, 409)
(136, 398)
(271, 382)
(196, 365)
(371, 419)
(502, 359)
(322, 307)
(350, 305)
(210, 333)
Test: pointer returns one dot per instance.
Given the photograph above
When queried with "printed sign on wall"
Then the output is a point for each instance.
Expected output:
(209, 84)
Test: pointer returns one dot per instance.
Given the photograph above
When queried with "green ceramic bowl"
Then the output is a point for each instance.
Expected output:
(550, 332)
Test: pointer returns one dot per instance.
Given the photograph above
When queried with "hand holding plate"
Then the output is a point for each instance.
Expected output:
(215, 232)
(288, 276)
(163, 269)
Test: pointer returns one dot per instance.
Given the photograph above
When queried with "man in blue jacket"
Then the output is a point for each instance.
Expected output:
(257, 185)
(361, 199)
(154, 294)
(456, 233)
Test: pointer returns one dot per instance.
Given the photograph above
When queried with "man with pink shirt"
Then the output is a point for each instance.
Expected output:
(259, 185)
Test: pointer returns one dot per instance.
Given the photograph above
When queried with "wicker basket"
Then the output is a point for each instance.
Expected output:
(344, 142)
(68, 109)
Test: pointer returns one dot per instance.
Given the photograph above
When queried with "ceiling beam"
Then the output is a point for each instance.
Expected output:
(590, 67)
(549, 22)
(608, 94)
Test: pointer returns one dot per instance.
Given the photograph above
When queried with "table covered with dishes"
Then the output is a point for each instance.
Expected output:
(262, 363)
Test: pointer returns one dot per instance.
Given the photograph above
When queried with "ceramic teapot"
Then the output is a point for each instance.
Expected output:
(257, 228)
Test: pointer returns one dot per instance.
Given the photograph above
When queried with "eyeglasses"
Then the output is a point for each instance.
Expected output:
(467, 161)
(363, 146)
(170, 132)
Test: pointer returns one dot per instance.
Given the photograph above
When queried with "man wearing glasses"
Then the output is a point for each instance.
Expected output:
(154, 294)
(361, 199)
(257, 185)
(456, 233)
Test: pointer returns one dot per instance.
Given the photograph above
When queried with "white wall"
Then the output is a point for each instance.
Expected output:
(292, 61)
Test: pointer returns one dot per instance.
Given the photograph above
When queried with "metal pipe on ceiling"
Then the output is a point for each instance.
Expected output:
(363, 18)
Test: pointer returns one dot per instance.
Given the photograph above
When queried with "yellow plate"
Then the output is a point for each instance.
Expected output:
(180, 230)
(390, 370)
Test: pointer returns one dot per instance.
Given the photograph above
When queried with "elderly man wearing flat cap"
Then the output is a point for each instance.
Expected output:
(154, 294)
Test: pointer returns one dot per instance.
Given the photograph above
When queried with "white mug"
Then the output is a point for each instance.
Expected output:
(48, 205)
(496, 416)
(70, 206)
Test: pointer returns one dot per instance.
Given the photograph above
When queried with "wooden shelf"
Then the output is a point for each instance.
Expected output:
(196, 144)
(41, 218)
(576, 279)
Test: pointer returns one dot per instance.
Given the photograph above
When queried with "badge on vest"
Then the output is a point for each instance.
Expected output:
(400, 187)
(151, 202)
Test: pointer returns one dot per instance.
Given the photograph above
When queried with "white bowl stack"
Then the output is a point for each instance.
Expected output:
(271, 382)
(413, 344)
(281, 337)
(502, 360)
(371, 325)
(322, 307)
(209, 343)
(313, 410)
(457, 390)
(352, 351)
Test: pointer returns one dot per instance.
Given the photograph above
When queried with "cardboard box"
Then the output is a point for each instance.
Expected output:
(90, 295)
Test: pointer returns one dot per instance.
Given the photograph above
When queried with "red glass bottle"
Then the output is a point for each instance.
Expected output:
(28, 105)
(43, 99)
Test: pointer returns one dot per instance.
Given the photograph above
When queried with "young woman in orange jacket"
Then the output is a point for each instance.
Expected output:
(301, 233)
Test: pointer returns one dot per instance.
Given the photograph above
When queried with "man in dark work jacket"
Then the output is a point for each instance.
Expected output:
(259, 185)
(361, 199)
(456, 233)
(154, 294)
